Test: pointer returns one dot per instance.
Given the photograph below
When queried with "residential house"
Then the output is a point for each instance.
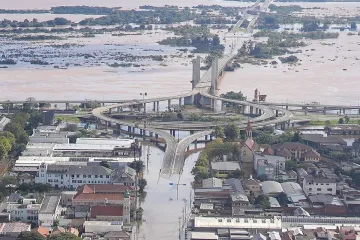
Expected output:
(97, 199)
(311, 156)
(9, 231)
(313, 185)
(318, 140)
(24, 212)
(252, 187)
(302, 174)
(296, 149)
(292, 176)
(106, 213)
(72, 176)
(224, 168)
(276, 161)
(263, 168)
(348, 233)
(124, 175)
(239, 200)
(102, 227)
(50, 210)
(26, 178)
(212, 183)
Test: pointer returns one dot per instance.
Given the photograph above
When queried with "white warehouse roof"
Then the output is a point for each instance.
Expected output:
(271, 187)
(291, 188)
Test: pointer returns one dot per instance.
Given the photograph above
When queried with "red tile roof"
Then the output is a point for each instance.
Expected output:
(98, 196)
(268, 151)
(311, 154)
(250, 143)
(112, 211)
(43, 231)
(104, 188)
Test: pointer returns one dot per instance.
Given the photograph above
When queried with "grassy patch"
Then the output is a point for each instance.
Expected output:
(65, 118)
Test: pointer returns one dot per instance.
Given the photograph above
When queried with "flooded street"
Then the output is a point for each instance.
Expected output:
(161, 214)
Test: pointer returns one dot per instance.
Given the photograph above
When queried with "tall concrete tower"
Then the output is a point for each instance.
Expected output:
(214, 75)
(196, 71)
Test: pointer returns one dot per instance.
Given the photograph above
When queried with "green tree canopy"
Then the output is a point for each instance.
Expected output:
(282, 198)
(137, 165)
(232, 131)
(142, 184)
(262, 201)
(30, 236)
(63, 236)
(219, 132)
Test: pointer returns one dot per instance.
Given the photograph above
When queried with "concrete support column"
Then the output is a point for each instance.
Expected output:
(243, 107)
(157, 106)
(118, 127)
(118, 109)
(67, 106)
(324, 111)
(306, 110)
(174, 133)
(359, 112)
(344, 111)
(169, 105)
(156, 135)
(195, 143)
(129, 129)
(192, 132)
(180, 100)
(206, 137)
(141, 132)
(133, 131)
(211, 137)
(154, 106)
(144, 105)
(287, 107)
(214, 75)
(277, 113)
(103, 104)
(196, 71)
(110, 111)
(256, 111)
(288, 123)
(131, 108)
(251, 110)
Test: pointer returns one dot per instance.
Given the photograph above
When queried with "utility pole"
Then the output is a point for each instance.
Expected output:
(177, 188)
(179, 228)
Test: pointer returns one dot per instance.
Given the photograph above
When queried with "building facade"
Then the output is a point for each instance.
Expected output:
(317, 185)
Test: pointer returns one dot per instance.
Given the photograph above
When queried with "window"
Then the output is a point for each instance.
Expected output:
(246, 220)
(254, 221)
(219, 220)
(73, 181)
(310, 189)
(77, 175)
(237, 220)
(72, 175)
(89, 176)
(84, 176)
(318, 189)
(329, 189)
(107, 176)
(79, 181)
(263, 221)
(96, 176)
(101, 176)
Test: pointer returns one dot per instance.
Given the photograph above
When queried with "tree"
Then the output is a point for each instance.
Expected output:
(219, 132)
(290, 165)
(282, 198)
(137, 165)
(30, 236)
(237, 174)
(347, 119)
(105, 164)
(216, 40)
(231, 131)
(341, 121)
(262, 201)
(71, 128)
(296, 137)
(63, 236)
(262, 177)
(142, 184)
(310, 26)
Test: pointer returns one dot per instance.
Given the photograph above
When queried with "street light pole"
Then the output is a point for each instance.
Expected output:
(177, 188)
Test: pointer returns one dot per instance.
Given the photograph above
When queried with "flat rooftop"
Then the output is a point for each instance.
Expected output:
(49, 204)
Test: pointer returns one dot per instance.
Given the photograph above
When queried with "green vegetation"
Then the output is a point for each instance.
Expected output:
(268, 137)
(26, 188)
(213, 151)
(138, 166)
(82, 10)
(63, 236)
(30, 236)
(233, 95)
(232, 132)
(70, 118)
(7, 62)
(23, 11)
(105, 164)
(142, 184)
(262, 201)
(334, 121)
(34, 23)
(289, 59)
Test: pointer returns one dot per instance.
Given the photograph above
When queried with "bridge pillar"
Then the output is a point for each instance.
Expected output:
(324, 111)
(156, 135)
(256, 111)
(131, 108)
(277, 113)
(141, 132)
(129, 130)
(174, 133)
(251, 110)
(192, 132)
(119, 109)
(206, 137)
(211, 137)
(344, 111)
(118, 127)
(287, 107)
(103, 104)
(214, 75)
(306, 110)
(359, 111)
(144, 106)
(288, 123)
(67, 106)
(196, 71)
(195, 143)
(180, 100)
(189, 100)
(169, 105)
(243, 108)
(157, 106)
(110, 110)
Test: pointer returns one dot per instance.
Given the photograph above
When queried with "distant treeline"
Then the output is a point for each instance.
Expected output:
(86, 10)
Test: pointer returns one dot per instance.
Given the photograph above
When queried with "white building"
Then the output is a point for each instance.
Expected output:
(102, 226)
(23, 212)
(72, 176)
(317, 185)
(3, 122)
(276, 161)
(50, 210)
